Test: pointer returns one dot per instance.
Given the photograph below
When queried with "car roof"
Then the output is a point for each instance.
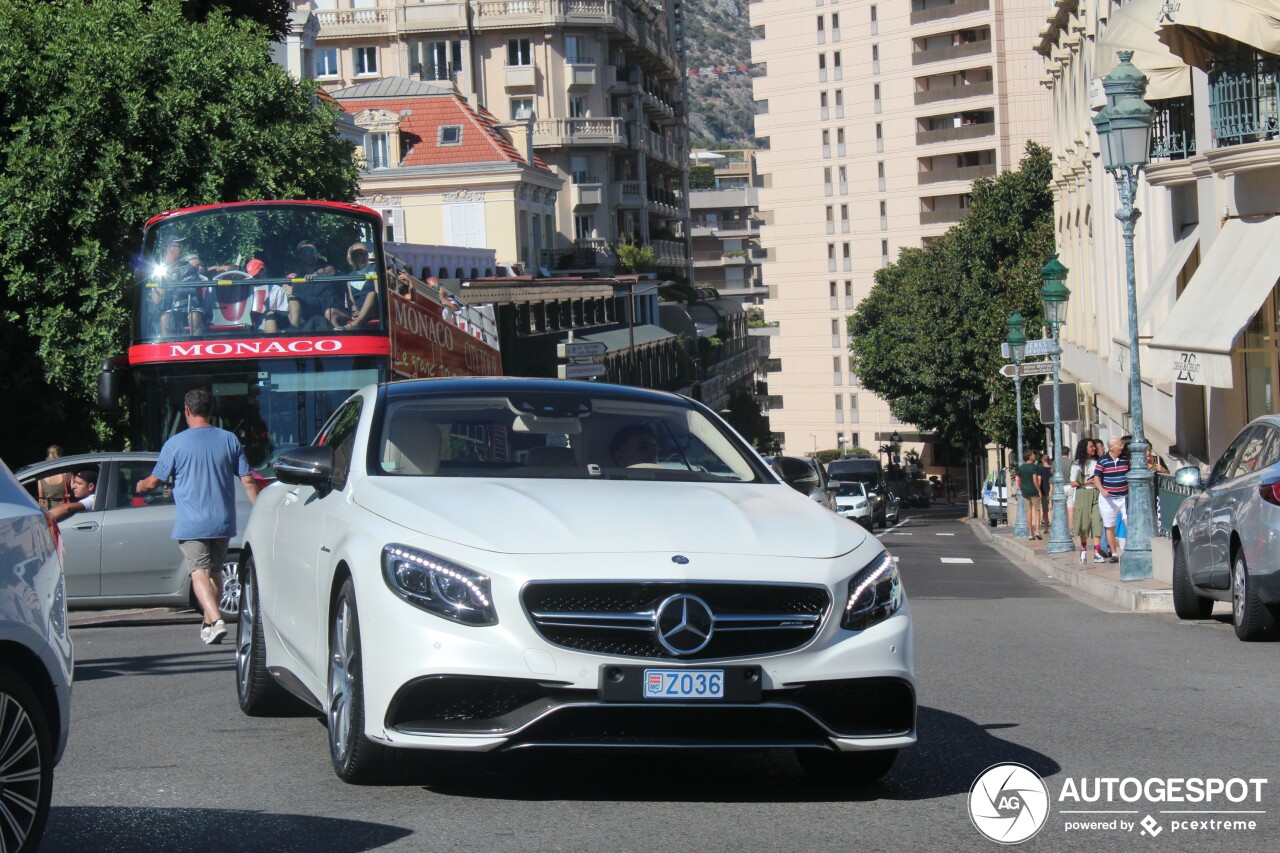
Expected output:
(449, 385)
(84, 459)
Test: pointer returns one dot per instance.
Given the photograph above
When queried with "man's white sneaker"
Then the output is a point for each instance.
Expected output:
(216, 632)
(1098, 558)
(206, 634)
(1082, 558)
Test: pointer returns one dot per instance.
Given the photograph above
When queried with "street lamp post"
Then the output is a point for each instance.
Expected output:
(1124, 137)
(1017, 340)
(1055, 294)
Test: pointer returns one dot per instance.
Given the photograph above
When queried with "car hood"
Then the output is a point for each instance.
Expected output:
(593, 516)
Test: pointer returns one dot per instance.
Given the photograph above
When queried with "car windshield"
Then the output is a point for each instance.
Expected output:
(560, 436)
(845, 490)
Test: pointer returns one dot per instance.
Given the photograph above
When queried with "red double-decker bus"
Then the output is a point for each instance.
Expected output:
(280, 309)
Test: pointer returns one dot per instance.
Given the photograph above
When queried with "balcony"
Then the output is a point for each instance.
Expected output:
(1173, 133)
(558, 132)
(943, 217)
(429, 18)
(587, 255)
(738, 228)
(521, 76)
(955, 134)
(347, 23)
(524, 14)
(955, 51)
(1243, 105)
(580, 71)
(626, 194)
(951, 93)
(670, 253)
(587, 191)
(964, 173)
(952, 10)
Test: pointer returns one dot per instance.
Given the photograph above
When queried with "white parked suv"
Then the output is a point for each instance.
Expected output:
(496, 564)
(35, 665)
(853, 502)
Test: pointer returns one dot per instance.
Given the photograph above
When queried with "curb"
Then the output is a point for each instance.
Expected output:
(1124, 594)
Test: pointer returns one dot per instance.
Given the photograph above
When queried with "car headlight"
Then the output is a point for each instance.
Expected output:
(438, 586)
(875, 594)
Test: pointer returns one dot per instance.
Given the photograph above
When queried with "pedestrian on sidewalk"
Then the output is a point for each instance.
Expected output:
(1028, 483)
(204, 462)
(1086, 521)
(1110, 475)
(1046, 490)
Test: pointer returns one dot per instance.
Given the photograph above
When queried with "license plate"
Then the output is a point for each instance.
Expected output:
(684, 684)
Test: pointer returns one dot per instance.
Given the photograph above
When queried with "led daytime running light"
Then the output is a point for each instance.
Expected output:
(444, 569)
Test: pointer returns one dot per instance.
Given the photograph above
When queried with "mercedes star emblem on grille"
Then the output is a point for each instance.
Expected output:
(683, 624)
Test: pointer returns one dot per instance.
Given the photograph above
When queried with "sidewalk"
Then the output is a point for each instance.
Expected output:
(135, 616)
(1100, 580)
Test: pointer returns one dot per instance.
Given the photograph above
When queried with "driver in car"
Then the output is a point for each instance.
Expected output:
(634, 444)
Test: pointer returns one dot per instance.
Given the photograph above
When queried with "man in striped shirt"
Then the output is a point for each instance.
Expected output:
(1111, 477)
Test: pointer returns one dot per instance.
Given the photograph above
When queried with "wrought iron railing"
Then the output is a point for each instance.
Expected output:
(1173, 136)
(1243, 105)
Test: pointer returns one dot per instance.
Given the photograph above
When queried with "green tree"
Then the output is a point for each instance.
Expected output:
(702, 177)
(927, 338)
(110, 112)
(635, 257)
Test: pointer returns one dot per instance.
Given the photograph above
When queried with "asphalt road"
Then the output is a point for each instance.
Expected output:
(1011, 669)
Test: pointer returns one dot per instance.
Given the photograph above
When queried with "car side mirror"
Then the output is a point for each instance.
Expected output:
(1189, 476)
(307, 466)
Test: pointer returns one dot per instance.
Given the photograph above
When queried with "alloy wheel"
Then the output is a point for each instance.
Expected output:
(229, 604)
(1239, 589)
(21, 774)
(341, 688)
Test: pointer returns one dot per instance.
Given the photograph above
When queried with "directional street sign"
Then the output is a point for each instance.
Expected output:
(1039, 346)
(578, 349)
(1032, 368)
(579, 371)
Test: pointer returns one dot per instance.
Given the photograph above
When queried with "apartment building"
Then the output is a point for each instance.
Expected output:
(1207, 246)
(724, 223)
(598, 82)
(875, 117)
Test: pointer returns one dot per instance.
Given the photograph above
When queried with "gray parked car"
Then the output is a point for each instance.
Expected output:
(121, 553)
(35, 665)
(1225, 536)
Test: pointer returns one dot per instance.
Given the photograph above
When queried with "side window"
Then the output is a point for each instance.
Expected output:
(1271, 452)
(340, 434)
(127, 476)
(1222, 469)
(1249, 459)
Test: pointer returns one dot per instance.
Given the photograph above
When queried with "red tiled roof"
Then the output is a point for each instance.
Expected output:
(482, 141)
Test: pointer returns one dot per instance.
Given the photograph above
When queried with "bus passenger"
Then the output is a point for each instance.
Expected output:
(362, 292)
(314, 299)
(191, 301)
(275, 305)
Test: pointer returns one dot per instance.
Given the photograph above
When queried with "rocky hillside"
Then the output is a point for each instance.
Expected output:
(718, 36)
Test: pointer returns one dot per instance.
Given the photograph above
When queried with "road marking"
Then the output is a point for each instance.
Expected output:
(956, 560)
(944, 534)
(896, 526)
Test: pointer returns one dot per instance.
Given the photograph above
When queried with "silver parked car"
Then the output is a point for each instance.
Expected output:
(1225, 536)
(35, 665)
(121, 553)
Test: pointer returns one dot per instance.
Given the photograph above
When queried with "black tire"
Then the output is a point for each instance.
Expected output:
(356, 759)
(1252, 619)
(257, 691)
(1186, 603)
(26, 753)
(848, 768)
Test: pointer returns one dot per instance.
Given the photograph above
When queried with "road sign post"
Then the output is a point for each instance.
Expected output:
(580, 349)
(580, 371)
(1041, 346)
(1034, 368)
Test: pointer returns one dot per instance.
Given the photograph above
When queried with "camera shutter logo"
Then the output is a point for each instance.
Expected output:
(1008, 803)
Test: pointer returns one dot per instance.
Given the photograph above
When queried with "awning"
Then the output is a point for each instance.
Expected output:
(620, 339)
(1133, 28)
(1162, 284)
(1194, 343)
(1196, 30)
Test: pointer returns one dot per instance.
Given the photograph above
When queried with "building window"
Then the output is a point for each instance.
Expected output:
(390, 220)
(575, 50)
(584, 227)
(326, 63)
(366, 61)
(519, 52)
(521, 108)
(450, 134)
(577, 106)
(822, 62)
(831, 285)
(436, 60)
(822, 24)
(848, 289)
(377, 151)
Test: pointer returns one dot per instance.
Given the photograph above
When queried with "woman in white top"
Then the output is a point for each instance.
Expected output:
(1086, 520)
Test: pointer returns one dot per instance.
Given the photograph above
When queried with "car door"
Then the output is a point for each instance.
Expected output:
(81, 540)
(139, 553)
(1200, 551)
(1233, 497)
(303, 559)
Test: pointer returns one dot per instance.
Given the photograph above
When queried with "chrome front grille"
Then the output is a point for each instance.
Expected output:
(619, 617)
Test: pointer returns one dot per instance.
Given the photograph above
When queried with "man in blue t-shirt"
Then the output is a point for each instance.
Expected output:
(203, 462)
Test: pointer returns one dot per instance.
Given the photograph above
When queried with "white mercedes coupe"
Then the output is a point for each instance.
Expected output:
(500, 564)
